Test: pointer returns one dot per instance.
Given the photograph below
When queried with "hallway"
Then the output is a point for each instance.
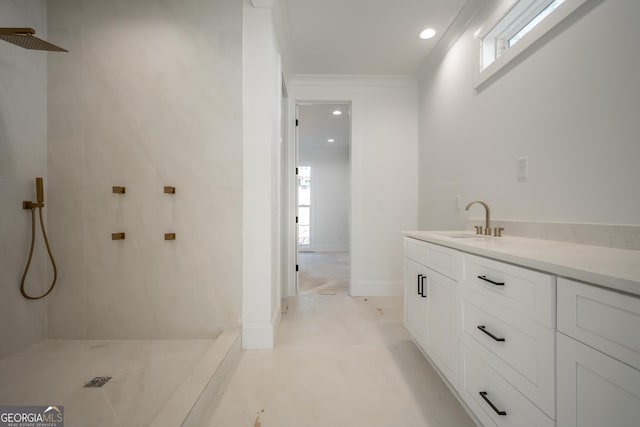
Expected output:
(338, 361)
(323, 273)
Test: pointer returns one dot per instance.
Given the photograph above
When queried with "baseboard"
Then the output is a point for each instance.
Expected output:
(329, 248)
(260, 336)
(377, 289)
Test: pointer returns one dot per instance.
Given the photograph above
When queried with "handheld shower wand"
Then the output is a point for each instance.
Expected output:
(39, 204)
(39, 191)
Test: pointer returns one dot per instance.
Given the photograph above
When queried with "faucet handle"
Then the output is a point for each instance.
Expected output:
(478, 229)
(497, 232)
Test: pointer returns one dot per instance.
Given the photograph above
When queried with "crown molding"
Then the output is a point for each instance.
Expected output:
(352, 80)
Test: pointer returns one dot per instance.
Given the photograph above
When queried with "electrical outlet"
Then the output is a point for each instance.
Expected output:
(523, 168)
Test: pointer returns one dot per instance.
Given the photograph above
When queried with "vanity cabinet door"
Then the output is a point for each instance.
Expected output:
(415, 301)
(442, 319)
(431, 307)
(595, 390)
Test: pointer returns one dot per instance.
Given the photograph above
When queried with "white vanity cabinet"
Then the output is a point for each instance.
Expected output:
(532, 348)
(598, 357)
(431, 299)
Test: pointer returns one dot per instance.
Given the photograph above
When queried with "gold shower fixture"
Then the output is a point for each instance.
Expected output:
(32, 206)
(26, 38)
(118, 190)
(169, 190)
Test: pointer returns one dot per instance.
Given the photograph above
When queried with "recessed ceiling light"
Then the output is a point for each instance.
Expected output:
(337, 112)
(331, 140)
(427, 33)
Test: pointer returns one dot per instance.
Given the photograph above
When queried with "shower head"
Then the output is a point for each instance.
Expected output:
(25, 37)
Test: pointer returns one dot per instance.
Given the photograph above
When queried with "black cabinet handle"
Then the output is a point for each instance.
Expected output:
(490, 281)
(483, 394)
(420, 276)
(484, 329)
(422, 291)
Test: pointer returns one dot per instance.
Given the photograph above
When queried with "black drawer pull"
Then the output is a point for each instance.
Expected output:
(490, 281)
(483, 394)
(484, 329)
(420, 276)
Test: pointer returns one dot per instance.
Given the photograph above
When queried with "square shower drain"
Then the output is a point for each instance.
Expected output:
(97, 382)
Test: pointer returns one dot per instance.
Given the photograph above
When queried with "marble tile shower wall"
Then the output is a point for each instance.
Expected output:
(149, 95)
(23, 137)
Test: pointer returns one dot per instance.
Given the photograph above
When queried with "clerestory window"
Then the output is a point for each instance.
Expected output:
(515, 27)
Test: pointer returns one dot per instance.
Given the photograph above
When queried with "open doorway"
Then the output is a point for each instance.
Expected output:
(323, 198)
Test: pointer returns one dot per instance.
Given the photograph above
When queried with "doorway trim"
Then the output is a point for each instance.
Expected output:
(292, 193)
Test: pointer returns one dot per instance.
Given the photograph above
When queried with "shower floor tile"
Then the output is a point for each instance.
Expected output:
(145, 375)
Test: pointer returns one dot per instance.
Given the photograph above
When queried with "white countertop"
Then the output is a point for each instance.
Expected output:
(617, 269)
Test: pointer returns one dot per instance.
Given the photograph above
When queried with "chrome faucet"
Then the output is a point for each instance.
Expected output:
(487, 229)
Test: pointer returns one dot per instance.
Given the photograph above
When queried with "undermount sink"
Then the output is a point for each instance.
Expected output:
(463, 235)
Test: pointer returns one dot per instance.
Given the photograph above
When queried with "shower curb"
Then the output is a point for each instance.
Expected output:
(194, 400)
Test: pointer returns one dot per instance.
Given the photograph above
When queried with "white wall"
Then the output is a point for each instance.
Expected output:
(262, 93)
(23, 157)
(330, 203)
(570, 104)
(383, 171)
(149, 95)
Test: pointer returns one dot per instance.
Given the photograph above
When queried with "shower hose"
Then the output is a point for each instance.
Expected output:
(46, 242)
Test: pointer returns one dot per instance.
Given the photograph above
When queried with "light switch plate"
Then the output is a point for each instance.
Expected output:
(523, 168)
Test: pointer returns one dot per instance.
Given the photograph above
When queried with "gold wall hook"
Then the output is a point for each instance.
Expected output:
(169, 236)
(118, 190)
(117, 236)
(169, 190)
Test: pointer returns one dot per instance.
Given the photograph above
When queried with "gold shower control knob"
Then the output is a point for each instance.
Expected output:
(117, 236)
(118, 190)
(169, 236)
(169, 190)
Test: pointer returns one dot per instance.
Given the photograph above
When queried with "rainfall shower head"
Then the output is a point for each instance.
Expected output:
(25, 37)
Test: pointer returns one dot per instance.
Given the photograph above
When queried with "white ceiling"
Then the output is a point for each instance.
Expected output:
(364, 36)
(318, 124)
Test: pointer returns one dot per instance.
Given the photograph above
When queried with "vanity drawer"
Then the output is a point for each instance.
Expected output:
(519, 348)
(488, 395)
(528, 292)
(605, 320)
(438, 258)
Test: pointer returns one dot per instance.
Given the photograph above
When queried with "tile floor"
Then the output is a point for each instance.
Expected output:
(338, 361)
(323, 273)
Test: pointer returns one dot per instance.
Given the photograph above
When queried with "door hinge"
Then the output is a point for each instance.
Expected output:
(297, 267)
(297, 122)
(296, 171)
(296, 220)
